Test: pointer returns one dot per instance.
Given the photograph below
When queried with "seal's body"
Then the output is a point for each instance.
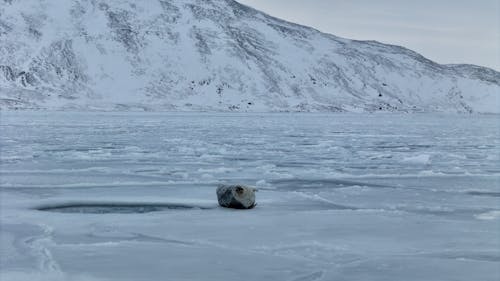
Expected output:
(236, 196)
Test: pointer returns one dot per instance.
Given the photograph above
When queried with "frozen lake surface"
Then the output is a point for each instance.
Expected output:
(131, 196)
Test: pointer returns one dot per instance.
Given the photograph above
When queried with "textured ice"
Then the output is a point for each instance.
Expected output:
(342, 197)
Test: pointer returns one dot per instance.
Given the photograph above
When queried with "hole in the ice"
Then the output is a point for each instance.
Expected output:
(484, 193)
(117, 208)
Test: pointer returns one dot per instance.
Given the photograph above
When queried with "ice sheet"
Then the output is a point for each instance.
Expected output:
(342, 196)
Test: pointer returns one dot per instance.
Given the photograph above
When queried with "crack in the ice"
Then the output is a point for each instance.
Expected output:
(310, 277)
(38, 244)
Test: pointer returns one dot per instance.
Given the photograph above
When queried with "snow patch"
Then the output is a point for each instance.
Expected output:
(491, 215)
(418, 159)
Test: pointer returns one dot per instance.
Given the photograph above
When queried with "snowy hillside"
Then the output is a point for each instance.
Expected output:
(213, 55)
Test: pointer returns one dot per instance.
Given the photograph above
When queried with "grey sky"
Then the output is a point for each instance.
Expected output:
(446, 31)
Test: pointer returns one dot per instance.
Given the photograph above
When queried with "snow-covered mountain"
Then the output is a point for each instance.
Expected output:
(213, 55)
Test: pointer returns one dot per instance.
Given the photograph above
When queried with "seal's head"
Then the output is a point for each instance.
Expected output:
(244, 195)
(240, 190)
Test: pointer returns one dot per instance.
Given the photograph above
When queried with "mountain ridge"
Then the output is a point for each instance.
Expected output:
(215, 55)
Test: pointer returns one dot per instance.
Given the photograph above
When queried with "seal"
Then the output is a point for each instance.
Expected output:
(236, 196)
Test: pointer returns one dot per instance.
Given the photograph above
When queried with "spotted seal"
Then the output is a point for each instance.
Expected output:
(236, 196)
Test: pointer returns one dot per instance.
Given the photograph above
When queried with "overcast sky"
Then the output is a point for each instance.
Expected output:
(446, 31)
